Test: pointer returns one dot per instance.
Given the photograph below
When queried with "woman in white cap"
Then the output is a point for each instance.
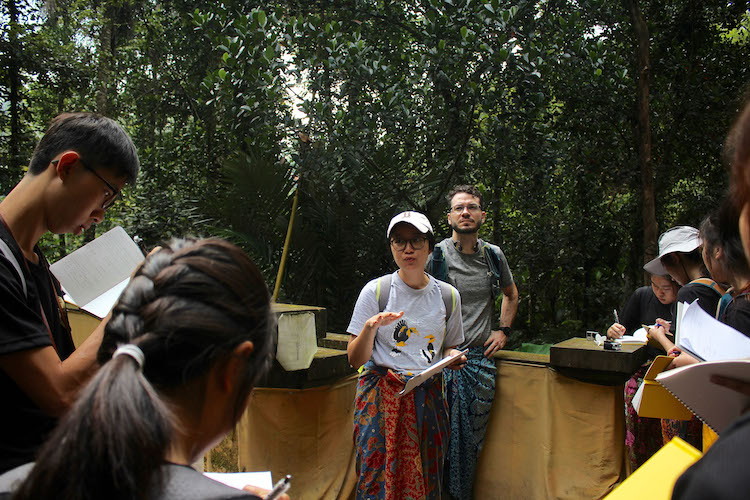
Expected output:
(402, 324)
(680, 255)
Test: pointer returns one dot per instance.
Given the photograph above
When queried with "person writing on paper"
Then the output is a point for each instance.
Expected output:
(647, 304)
(75, 174)
(721, 474)
(725, 259)
(401, 325)
(643, 436)
(680, 255)
(188, 339)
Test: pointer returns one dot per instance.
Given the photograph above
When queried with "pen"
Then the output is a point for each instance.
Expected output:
(280, 488)
(617, 318)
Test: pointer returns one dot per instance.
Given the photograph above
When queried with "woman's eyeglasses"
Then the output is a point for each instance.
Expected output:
(416, 243)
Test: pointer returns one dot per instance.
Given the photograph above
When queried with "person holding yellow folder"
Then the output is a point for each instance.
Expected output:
(722, 473)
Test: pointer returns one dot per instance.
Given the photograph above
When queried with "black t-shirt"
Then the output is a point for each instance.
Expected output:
(737, 314)
(708, 298)
(643, 308)
(23, 425)
(722, 472)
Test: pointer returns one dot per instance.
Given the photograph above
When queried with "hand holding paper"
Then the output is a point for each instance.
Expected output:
(417, 380)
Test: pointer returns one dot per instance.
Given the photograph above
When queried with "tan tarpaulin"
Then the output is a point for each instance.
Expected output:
(306, 433)
(550, 436)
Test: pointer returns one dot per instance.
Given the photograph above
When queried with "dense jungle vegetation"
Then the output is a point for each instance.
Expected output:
(591, 126)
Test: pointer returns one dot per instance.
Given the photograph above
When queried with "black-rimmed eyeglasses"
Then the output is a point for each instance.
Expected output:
(111, 196)
(416, 243)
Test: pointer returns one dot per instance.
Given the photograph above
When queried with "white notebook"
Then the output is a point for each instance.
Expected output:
(715, 405)
(95, 275)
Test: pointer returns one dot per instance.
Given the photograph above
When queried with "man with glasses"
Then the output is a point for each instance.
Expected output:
(76, 173)
(480, 272)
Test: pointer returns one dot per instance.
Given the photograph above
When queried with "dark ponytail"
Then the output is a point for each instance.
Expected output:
(187, 306)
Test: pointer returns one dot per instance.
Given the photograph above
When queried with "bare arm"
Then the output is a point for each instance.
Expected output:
(359, 348)
(50, 383)
(659, 333)
(508, 309)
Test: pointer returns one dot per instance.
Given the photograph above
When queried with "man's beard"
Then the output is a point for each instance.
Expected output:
(466, 230)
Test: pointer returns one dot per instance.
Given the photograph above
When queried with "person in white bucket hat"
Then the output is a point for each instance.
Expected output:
(680, 255)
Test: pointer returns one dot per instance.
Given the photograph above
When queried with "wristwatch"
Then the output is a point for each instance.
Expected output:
(505, 330)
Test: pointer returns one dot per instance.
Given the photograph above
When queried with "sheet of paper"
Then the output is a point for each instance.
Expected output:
(640, 336)
(97, 268)
(717, 406)
(681, 307)
(240, 479)
(710, 339)
(416, 380)
(638, 397)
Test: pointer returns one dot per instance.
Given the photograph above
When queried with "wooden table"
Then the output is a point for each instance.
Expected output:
(584, 360)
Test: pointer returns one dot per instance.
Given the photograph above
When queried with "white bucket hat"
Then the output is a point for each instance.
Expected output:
(416, 219)
(683, 239)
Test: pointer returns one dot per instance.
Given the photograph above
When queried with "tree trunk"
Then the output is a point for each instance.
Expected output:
(14, 75)
(643, 139)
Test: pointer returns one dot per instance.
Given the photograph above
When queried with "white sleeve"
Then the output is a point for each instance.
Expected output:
(454, 329)
(365, 308)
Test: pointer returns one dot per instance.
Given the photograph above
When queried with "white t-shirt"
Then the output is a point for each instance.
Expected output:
(417, 339)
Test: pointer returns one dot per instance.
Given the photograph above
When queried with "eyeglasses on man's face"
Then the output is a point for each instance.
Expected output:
(416, 243)
(472, 207)
(110, 196)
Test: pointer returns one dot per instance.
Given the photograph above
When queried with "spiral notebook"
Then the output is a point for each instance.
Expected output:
(715, 405)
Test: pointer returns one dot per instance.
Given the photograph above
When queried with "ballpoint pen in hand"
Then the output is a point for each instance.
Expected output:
(280, 488)
(617, 318)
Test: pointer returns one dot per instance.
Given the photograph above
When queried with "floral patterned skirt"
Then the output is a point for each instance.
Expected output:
(643, 435)
(400, 441)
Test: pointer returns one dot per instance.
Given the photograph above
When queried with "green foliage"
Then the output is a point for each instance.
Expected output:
(366, 108)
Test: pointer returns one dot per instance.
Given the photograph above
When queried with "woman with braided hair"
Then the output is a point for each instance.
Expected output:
(187, 341)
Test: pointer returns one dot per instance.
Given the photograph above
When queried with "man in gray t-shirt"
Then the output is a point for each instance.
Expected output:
(471, 391)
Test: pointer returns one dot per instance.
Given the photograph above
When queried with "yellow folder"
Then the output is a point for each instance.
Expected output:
(655, 479)
(657, 402)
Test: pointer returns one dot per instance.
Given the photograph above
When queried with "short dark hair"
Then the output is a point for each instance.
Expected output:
(465, 188)
(98, 139)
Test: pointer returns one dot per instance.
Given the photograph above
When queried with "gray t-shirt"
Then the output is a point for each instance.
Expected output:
(416, 340)
(470, 274)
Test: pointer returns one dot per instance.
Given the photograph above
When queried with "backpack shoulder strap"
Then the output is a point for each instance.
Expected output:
(5, 249)
(449, 298)
(710, 284)
(493, 261)
(721, 307)
(438, 267)
(383, 290)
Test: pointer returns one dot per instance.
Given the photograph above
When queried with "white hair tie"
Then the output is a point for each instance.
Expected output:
(133, 351)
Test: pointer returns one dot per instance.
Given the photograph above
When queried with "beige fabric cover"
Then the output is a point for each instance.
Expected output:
(550, 436)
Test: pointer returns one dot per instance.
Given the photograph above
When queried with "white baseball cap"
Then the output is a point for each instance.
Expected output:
(416, 219)
(678, 239)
